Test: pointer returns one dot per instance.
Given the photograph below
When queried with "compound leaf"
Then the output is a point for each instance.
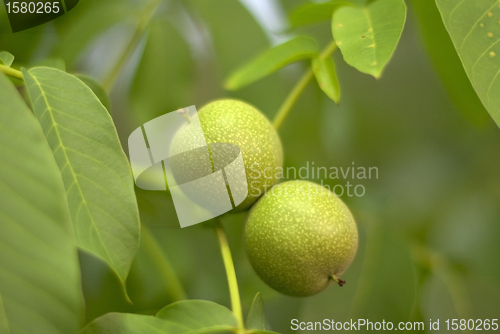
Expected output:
(40, 288)
(368, 36)
(94, 168)
(272, 60)
(475, 31)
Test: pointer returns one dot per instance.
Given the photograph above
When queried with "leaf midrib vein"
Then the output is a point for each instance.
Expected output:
(84, 202)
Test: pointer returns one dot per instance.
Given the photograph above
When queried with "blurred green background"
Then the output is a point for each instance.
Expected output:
(429, 225)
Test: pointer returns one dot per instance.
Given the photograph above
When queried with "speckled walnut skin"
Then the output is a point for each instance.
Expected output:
(297, 241)
(236, 122)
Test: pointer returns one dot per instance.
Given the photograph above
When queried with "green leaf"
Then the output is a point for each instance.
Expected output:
(326, 76)
(272, 60)
(94, 168)
(446, 61)
(368, 36)
(256, 318)
(387, 285)
(125, 323)
(164, 75)
(189, 316)
(474, 29)
(314, 12)
(199, 316)
(40, 288)
(97, 89)
(6, 58)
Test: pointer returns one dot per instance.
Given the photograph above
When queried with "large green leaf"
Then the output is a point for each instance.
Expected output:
(199, 316)
(474, 29)
(189, 316)
(446, 61)
(256, 318)
(314, 12)
(39, 275)
(97, 89)
(326, 76)
(165, 74)
(94, 168)
(125, 323)
(369, 35)
(272, 60)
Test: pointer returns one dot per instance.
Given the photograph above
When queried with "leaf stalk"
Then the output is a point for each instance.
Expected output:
(299, 88)
(11, 72)
(231, 276)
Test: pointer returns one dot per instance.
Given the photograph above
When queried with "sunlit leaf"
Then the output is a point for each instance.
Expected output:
(94, 168)
(97, 89)
(39, 275)
(474, 29)
(198, 315)
(446, 61)
(326, 76)
(256, 318)
(369, 35)
(314, 12)
(6, 58)
(296, 49)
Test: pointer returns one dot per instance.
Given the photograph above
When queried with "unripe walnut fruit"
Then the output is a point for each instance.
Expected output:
(300, 237)
(236, 122)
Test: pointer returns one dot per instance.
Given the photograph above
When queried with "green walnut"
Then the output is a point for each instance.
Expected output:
(238, 123)
(300, 237)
